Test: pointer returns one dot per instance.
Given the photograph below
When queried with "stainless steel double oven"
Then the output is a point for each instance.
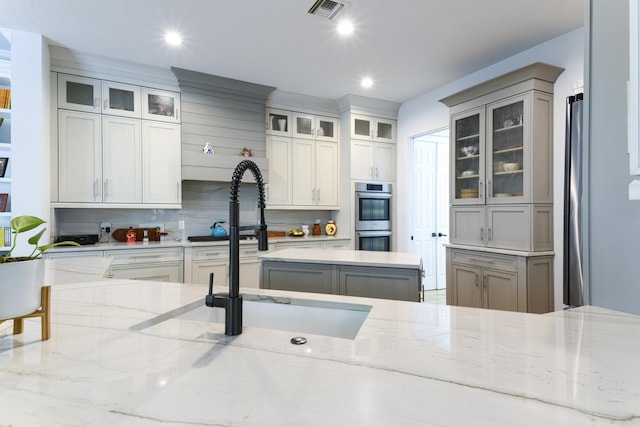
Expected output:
(373, 216)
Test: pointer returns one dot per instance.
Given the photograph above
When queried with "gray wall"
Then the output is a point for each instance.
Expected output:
(614, 221)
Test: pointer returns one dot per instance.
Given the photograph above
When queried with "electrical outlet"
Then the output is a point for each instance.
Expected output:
(105, 226)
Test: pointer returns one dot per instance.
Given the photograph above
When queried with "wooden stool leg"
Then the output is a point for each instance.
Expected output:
(46, 319)
(18, 325)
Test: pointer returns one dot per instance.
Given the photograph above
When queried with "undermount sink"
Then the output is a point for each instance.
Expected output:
(328, 318)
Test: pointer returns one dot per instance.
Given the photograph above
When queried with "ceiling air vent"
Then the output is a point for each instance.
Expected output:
(327, 9)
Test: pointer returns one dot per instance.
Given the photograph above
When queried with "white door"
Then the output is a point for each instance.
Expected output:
(430, 177)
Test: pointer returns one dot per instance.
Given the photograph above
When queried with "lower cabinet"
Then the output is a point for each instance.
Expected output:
(372, 282)
(499, 281)
(204, 260)
(160, 265)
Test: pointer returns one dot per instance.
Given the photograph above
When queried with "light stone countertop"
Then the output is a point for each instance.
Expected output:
(345, 257)
(112, 361)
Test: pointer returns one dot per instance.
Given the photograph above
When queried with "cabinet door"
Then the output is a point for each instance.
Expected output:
(279, 122)
(79, 93)
(326, 129)
(385, 162)
(120, 99)
(507, 150)
(121, 151)
(327, 175)
(500, 290)
(372, 128)
(304, 126)
(162, 168)
(303, 169)
(361, 127)
(467, 158)
(298, 277)
(200, 271)
(389, 283)
(467, 225)
(465, 285)
(79, 157)
(385, 130)
(279, 155)
(156, 273)
(362, 160)
(160, 105)
(509, 227)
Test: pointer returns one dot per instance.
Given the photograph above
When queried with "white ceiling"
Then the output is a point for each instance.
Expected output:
(408, 47)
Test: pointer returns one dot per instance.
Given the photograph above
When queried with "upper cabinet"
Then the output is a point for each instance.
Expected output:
(279, 122)
(315, 127)
(501, 185)
(303, 153)
(114, 147)
(160, 105)
(373, 128)
(497, 147)
(120, 99)
(79, 93)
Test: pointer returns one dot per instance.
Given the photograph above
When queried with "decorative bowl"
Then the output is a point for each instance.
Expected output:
(468, 173)
(469, 151)
(511, 167)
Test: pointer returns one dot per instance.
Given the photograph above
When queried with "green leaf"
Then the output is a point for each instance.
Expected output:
(23, 223)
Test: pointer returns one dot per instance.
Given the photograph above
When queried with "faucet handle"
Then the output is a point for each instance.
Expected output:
(209, 300)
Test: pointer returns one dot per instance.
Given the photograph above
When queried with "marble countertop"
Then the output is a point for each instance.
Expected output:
(345, 257)
(410, 364)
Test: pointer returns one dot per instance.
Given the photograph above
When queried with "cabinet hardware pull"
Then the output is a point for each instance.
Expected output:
(106, 104)
(489, 189)
(480, 189)
(484, 260)
(96, 102)
(481, 233)
(490, 234)
(95, 189)
(105, 189)
(177, 114)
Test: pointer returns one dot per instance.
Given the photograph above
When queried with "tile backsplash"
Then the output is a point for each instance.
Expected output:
(203, 203)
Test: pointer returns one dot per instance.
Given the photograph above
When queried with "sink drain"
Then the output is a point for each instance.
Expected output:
(298, 340)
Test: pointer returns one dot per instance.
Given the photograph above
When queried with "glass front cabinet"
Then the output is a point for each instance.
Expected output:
(493, 156)
(501, 230)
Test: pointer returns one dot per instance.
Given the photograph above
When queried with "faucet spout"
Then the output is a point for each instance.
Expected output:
(232, 301)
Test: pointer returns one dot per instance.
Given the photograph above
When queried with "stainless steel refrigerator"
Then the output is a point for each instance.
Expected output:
(573, 279)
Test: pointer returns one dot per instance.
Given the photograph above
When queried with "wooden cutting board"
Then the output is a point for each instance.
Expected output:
(121, 234)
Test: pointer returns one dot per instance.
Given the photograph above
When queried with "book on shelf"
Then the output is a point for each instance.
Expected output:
(7, 236)
(5, 98)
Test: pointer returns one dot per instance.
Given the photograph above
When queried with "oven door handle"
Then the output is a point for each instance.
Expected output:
(373, 233)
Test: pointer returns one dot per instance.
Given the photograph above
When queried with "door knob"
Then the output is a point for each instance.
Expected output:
(434, 235)
(441, 235)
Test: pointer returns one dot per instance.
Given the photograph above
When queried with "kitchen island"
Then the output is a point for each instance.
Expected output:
(120, 354)
(391, 275)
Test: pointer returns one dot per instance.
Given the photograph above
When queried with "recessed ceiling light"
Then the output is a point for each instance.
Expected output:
(345, 28)
(366, 82)
(173, 38)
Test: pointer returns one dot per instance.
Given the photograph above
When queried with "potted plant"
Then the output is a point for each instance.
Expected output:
(22, 277)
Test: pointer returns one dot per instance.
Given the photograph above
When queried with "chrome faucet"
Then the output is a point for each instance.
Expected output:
(232, 301)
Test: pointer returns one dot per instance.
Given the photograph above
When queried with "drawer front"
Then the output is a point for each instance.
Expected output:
(142, 256)
(211, 252)
(482, 259)
(249, 252)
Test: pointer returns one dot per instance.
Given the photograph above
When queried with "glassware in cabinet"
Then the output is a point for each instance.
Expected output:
(468, 152)
(507, 151)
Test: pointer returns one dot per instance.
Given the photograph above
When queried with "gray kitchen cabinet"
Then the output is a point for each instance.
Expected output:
(373, 282)
(523, 227)
(389, 283)
(299, 277)
(501, 186)
(500, 281)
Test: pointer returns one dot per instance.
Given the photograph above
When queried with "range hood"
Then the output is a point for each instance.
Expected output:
(227, 115)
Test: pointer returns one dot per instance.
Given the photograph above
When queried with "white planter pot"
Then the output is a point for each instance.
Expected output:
(20, 284)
